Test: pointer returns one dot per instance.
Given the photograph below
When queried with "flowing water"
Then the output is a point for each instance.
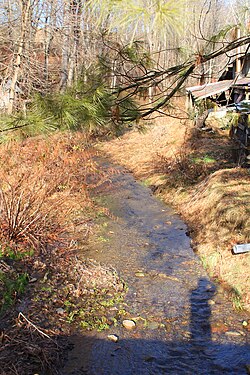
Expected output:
(189, 326)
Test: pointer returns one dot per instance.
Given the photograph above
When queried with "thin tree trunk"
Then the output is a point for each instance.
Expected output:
(65, 48)
(25, 11)
(75, 13)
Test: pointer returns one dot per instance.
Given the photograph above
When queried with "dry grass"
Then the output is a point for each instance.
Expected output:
(42, 181)
(181, 169)
(222, 203)
(138, 150)
(192, 170)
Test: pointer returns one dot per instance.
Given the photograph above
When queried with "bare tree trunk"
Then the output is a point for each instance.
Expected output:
(65, 48)
(25, 12)
(75, 13)
(48, 39)
(72, 17)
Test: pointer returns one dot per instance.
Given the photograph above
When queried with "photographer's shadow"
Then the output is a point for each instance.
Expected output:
(198, 354)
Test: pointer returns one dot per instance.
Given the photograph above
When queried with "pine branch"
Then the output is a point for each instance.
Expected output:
(183, 70)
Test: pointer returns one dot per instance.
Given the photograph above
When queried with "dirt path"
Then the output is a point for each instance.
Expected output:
(184, 325)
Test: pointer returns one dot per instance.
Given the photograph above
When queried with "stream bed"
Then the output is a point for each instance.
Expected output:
(184, 324)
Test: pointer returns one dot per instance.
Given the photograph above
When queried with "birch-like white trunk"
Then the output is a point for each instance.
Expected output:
(25, 12)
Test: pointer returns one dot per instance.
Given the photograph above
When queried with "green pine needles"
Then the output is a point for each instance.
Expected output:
(88, 107)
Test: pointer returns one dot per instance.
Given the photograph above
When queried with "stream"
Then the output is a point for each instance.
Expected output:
(191, 328)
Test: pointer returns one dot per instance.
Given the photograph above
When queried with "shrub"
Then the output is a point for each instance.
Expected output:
(183, 169)
(41, 182)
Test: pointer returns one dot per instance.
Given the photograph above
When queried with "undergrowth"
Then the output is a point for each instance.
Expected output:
(39, 182)
(85, 294)
(43, 192)
(183, 169)
(11, 287)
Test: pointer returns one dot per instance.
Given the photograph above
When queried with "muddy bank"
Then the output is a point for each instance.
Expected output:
(183, 323)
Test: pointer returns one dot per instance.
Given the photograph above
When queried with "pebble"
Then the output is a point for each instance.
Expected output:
(128, 324)
(113, 338)
(211, 302)
(33, 280)
(139, 274)
(164, 276)
(233, 333)
(60, 311)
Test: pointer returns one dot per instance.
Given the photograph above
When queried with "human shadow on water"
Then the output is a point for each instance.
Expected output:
(140, 354)
(200, 312)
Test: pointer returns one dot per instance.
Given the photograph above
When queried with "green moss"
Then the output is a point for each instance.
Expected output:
(10, 253)
(11, 287)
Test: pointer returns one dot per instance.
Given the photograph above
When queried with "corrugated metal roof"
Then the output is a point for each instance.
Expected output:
(242, 81)
(210, 89)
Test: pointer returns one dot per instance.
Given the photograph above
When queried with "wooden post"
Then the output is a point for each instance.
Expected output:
(238, 61)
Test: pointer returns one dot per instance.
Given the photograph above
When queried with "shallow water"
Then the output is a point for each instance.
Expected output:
(191, 328)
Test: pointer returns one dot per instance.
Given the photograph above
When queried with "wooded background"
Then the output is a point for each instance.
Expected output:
(48, 46)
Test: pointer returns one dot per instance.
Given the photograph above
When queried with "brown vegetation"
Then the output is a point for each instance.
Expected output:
(42, 181)
(46, 214)
(222, 204)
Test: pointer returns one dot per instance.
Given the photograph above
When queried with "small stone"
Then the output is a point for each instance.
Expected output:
(164, 276)
(33, 280)
(128, 324)
(187, 334)
(139, 274)
(244, 323)
(60, 311)
(211, 302)
(113, 308)
(113, 338)
(233, 333)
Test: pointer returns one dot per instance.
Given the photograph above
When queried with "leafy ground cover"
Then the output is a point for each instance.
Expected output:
(194, 171)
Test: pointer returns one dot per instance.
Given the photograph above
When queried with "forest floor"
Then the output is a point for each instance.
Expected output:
(193, 171)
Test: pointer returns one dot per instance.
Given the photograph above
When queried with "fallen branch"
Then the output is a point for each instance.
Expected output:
(20, 315)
